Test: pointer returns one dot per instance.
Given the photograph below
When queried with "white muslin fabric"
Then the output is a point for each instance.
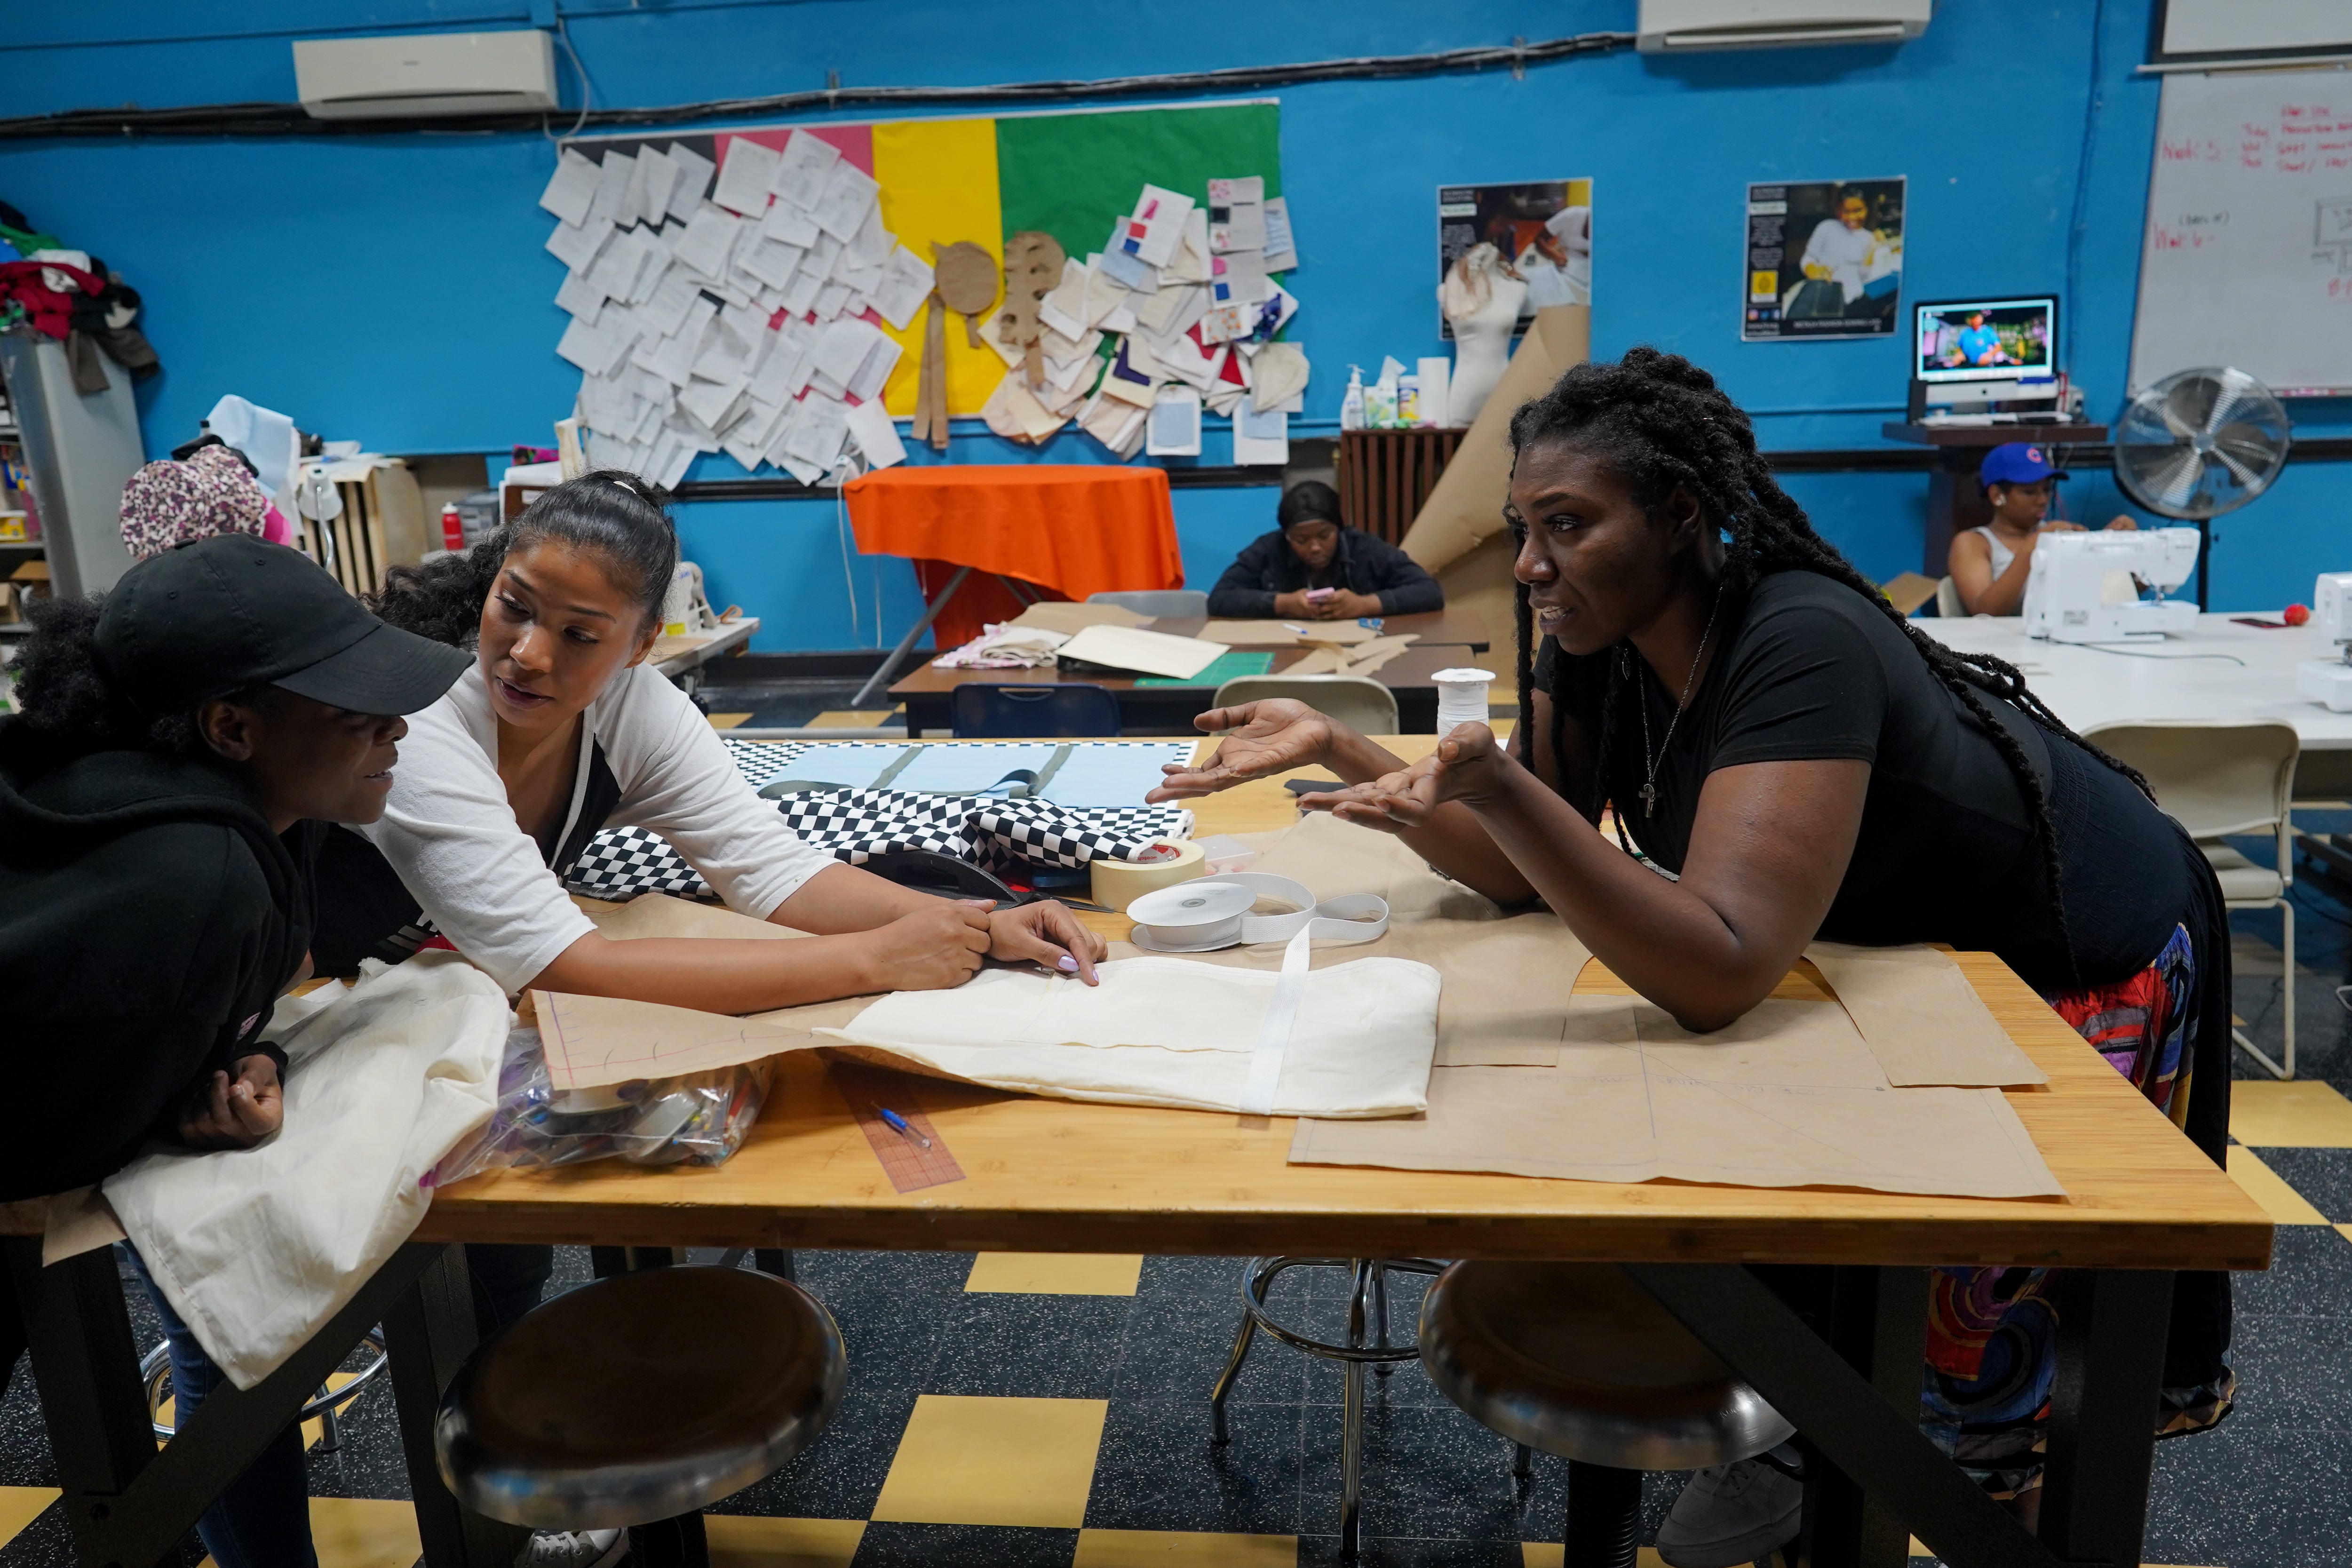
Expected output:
(257, 1248)
(1164, 1031)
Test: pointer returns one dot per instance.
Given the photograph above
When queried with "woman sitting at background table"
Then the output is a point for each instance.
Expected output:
(560, 728)
(1313, 567)
(1798, 761)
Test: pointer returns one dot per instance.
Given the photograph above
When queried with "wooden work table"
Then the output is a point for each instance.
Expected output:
(1047, 1176)
(1053, 1176)
(1460, 627)
(1169, 709)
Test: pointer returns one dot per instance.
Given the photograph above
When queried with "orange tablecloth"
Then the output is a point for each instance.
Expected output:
(1077, 529)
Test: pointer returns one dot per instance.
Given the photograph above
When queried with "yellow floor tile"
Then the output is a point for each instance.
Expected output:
(849, 719)
(1182, 1549)
(19, 1507)
(1056, 1273)
(970, 1460)
(1550, 1554)
(728, 720)
(738, 1540)
(2268, 1188)
(362, 1532)
(2302, 1114)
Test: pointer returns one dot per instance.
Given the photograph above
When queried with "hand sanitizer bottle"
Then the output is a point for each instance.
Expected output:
(1352, 406)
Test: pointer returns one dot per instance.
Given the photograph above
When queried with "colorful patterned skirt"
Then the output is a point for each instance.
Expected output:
(1992, 1332)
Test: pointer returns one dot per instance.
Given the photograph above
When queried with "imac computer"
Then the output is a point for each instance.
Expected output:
(1985, 356)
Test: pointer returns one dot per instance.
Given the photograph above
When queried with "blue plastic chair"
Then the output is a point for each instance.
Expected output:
(984, 713)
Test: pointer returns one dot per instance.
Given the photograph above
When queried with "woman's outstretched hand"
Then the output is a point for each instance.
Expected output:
(1464, 766)
(1269, 737)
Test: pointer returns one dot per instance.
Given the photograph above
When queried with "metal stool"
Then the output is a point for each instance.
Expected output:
(1367, 1302)
(325, 1407)
(1578, 1360)
(637, 1401)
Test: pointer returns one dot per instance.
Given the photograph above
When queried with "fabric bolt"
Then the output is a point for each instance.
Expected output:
(1173, 1032)
(167, 502)
(1074, 529)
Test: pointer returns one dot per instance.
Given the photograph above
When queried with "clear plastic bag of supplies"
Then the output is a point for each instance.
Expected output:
(700, 1119)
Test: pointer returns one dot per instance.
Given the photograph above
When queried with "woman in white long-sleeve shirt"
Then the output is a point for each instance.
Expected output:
(561, 730)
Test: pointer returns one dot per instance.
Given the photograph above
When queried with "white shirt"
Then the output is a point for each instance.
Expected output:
(2001, 554)
(450, 832)
(1553, 285)
(1844, 251)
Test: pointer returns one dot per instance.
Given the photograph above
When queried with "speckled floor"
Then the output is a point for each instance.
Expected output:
(1010, 1411)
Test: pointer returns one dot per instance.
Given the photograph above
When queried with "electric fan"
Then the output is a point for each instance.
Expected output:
(2199, 443)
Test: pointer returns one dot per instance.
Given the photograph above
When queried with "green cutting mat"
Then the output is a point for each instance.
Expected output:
(1221, 669)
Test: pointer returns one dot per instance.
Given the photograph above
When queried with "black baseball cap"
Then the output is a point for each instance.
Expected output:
(224, 614)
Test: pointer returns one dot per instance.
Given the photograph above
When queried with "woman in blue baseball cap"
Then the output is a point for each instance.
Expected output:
(1988, 564)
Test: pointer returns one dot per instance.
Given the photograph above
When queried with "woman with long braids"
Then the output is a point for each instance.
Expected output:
(1798, 761)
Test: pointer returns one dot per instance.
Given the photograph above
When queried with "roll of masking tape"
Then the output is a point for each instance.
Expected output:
(1119, 883)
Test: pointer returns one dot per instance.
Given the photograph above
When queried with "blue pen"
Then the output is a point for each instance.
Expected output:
(898, 1123)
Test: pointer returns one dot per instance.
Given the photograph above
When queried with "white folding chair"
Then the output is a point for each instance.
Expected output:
(1949, 605)
(2217, 779)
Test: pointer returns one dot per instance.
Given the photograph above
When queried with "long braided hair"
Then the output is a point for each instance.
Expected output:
(1658, 422)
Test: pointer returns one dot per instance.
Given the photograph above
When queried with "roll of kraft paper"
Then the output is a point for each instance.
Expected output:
(1119, 883)
(1461, 696)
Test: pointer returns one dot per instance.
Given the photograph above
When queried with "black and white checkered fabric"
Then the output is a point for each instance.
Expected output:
(851, 824)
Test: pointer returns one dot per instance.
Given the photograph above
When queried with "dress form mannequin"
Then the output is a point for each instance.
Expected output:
(1481, 298)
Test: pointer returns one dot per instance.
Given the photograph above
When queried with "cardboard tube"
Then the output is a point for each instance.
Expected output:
(1119, 883)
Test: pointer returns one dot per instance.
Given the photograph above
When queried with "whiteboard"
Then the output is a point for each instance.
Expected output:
(2247, 258)
(2214, 27)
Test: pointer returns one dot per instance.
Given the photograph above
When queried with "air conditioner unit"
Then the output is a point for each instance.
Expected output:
(1677, 27)
(424, 73)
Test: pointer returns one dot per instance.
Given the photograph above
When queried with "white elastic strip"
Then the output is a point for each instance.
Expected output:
(1274, 1034)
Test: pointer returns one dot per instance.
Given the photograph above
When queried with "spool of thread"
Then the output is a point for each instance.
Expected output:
(1461, 696)
(1119, 883)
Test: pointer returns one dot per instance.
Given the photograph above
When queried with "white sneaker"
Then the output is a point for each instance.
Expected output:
(1730, 1515)
(575, 1549)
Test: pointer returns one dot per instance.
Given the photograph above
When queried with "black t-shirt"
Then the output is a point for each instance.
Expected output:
(1808, 670)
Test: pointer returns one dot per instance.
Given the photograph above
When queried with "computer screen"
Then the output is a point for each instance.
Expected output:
(1987, 340)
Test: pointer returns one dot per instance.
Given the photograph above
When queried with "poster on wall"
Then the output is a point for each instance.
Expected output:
(1538, 233)
(1824, 259)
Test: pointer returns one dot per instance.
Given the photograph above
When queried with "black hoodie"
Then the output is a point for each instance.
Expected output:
(149, 919)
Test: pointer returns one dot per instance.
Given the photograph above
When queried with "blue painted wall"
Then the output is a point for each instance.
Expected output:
(393, 290)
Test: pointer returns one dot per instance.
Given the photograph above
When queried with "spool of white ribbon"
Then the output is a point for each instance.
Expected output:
(1461, 696)
(1202, 916)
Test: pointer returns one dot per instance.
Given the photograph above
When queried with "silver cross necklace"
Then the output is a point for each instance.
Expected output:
(1650, 781)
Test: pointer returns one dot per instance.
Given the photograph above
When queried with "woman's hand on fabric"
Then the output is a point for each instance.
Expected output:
(1048, 934)
(1463, 767)
(935, 948)
(1269, 737)
(234, 1112)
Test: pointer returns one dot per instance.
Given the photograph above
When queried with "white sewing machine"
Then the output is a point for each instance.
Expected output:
(2090, 587)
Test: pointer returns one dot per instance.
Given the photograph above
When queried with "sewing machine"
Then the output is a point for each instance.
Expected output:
(2110, 587)
(2328, 681)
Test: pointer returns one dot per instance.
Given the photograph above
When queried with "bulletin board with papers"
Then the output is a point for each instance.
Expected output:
(763, 291)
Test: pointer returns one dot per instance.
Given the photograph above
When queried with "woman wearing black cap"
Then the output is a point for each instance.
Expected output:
(177, 751)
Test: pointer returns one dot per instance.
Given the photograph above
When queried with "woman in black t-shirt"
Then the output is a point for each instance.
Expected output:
(1800, 761)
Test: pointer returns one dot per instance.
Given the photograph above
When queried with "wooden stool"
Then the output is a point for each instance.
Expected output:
(638, 1401)
(1577, 1359)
